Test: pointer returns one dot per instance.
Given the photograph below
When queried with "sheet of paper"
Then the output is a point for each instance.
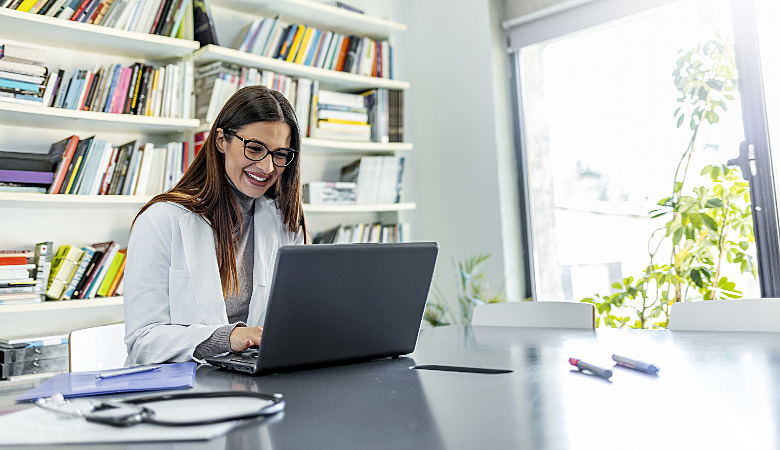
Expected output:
(38, 426)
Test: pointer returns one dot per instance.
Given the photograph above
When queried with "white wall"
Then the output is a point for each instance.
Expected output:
(461, 135)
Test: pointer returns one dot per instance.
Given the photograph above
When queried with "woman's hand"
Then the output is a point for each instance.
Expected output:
(241, 338)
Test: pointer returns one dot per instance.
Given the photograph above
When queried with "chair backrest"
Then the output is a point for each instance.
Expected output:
(536, 314)
(761, 314)
(97, 348)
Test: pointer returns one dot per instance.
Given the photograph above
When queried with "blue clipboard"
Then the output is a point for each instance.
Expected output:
(82, 384)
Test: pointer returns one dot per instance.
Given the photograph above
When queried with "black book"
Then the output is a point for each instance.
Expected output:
(288, 41)
(142, 93)
(56, 87)
(203, 23)
(46, 7)
(91, 90)
(34, 162)
(78, 172)
(78, 157)
(91, 267)
(115, 176)
(170, 17)
(282, 40)
(161, 23)
(131, 92)
(122, 169)
(351, 57)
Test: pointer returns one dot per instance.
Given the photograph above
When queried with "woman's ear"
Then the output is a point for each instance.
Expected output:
(220, 140)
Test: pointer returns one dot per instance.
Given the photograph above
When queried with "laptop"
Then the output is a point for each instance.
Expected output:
(335, 304)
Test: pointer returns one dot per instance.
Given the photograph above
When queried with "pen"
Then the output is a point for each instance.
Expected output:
(129, 371)
(636, 365)
(598, 371)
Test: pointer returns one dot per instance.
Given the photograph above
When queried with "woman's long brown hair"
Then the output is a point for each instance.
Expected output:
(204, 189)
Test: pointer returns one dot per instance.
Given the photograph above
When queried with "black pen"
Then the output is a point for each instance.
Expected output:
(598, 371)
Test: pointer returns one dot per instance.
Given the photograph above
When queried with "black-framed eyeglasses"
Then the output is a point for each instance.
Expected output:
(257, 151)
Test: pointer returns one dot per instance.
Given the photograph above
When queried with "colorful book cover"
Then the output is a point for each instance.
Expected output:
(111, 274)
(86, 257)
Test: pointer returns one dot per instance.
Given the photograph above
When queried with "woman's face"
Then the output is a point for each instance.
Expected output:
(253, 178)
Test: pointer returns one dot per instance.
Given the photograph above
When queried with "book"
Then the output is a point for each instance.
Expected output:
(26, 176)
(329, 193)
(101, 270)
(75, 165)
(203, 24)
(86, 258)
(22, 54)
(111, 273)
(119, 274)
(33, 341)
(67, 147)
(44, 253)
(63, 267)
(91, 272)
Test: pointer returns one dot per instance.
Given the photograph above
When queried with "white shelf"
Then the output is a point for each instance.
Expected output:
(332, 78)
(357, 146)
(66, 119)
(359, 208)
(35, 200)
(28, 200)
(49, 31)
(317, 14)
(68, 304)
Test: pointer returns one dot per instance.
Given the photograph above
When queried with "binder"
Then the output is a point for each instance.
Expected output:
(82, 384)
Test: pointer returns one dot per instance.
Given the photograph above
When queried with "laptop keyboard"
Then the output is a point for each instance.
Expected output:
(249, 358)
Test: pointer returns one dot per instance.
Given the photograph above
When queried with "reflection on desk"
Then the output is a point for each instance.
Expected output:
(715, 390)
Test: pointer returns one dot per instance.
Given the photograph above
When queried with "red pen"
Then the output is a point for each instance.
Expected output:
(598, 371)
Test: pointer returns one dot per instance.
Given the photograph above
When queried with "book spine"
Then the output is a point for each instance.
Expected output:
(89, 252)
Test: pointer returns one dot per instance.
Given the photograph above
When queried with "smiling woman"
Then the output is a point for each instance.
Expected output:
(201, 255)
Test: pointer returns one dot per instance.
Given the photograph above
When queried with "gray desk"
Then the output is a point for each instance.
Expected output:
(715, 390)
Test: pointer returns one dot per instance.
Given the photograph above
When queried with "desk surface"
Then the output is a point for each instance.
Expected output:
(715, 390)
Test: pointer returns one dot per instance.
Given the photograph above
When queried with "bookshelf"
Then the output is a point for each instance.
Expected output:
(316, 14)
(330, 78)
(69, 304)
(66, 119)
(62, 33)
(82, 220)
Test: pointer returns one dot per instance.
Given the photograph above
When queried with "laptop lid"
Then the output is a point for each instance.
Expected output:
(339, 303)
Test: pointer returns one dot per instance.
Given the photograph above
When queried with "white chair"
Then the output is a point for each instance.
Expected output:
(536, 314)
(761, 314)
(97, 348)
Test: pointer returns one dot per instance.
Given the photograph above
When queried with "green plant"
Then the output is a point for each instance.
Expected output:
(707, 225)
(472, 290)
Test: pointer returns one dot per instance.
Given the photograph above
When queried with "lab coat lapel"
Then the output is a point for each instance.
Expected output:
(200, 254)
(266, 245)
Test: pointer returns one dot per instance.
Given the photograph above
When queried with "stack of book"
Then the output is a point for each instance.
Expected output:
(378, 178)
(364, 233)
(33, 356)
(341, 116)
(87, 272)
(94, 167)
(29, 172)
(161, 17)
(17, 282)
(140, 89)
(328, 193)
(22, 72)
(215, 83)
(310, 46)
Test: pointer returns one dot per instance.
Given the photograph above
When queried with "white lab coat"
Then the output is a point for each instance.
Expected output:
(173, 293)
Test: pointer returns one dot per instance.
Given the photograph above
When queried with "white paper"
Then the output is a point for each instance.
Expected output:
(38, 426)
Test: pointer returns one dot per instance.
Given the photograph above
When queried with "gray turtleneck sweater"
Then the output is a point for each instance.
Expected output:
(237, 307)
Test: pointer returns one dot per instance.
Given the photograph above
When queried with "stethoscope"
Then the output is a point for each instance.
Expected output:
(129, 412)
